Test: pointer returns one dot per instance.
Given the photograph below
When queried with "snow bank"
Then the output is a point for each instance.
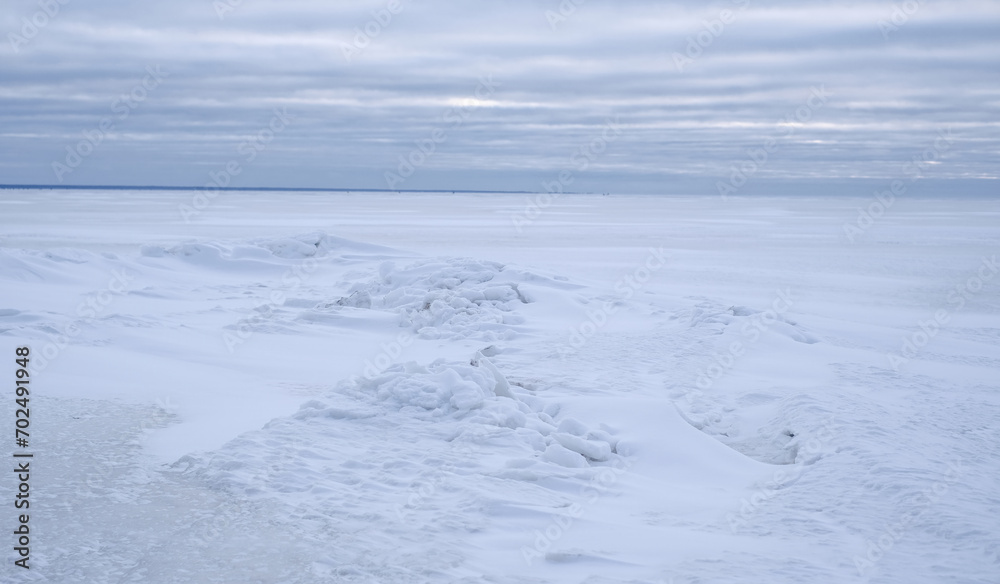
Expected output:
(445, 298)
(299, 247)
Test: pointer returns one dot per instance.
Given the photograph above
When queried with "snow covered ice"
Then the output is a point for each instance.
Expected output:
(326, 387)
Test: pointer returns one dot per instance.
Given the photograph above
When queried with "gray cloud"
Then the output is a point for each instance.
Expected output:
(356, 111)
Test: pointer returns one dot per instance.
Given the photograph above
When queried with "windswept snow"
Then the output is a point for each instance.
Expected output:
(300, 388)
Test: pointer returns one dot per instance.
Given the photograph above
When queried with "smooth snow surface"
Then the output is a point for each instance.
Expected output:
(375, 388)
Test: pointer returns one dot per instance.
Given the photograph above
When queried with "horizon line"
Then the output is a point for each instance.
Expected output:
(193, 188)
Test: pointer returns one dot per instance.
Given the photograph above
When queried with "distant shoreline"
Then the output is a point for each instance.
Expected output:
(269, 189)
(705, 187)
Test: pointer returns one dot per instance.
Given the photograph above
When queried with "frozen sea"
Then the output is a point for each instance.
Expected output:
(293, 387)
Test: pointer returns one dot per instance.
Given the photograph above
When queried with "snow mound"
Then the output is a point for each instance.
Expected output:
(748, 321)
(298, 247)
(58, 265)
(316, 244)
(445, 298)
(479, 394)
(419, 445)
(443, 410)
(733, 336)
(439, 389)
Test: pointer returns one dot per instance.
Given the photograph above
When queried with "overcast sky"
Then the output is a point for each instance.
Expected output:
(501, 95)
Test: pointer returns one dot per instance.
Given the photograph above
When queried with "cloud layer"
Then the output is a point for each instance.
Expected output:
(494, 94)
